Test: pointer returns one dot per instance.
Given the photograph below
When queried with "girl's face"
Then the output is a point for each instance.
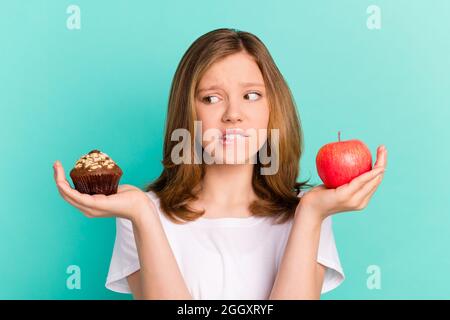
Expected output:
(231, 95)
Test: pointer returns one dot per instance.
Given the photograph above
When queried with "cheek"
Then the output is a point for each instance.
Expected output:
(260, 119)
(208, 118)
(210, 123)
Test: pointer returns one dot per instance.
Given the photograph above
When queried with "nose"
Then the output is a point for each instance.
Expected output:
(232, 114)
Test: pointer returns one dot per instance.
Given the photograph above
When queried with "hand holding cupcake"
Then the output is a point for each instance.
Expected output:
(97, 192)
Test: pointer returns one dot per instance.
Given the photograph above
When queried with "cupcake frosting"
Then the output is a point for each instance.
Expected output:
(95, 160)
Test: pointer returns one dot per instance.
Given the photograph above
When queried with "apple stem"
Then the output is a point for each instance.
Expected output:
(339, 136)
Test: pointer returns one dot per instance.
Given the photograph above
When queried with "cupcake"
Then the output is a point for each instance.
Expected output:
(96, 173)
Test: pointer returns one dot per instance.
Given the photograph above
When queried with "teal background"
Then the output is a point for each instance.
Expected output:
(64, 92)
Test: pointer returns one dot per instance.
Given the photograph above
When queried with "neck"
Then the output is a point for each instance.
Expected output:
(228, 185)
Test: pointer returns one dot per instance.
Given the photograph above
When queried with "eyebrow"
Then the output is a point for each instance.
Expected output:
(242, 84)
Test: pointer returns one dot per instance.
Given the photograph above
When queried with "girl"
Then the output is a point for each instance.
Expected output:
(225, 228)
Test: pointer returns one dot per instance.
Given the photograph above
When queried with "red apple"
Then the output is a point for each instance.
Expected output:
(340, 162)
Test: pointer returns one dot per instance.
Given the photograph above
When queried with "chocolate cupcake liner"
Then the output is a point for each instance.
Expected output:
(97, 183)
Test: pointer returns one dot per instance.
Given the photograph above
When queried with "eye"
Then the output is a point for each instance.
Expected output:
(210, 99)
(252, 96)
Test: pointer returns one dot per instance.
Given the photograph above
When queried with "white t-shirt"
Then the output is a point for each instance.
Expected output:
(222, 258)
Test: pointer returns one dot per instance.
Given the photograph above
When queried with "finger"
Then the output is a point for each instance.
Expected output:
(363, 196)
(64, 186)
(381, 157)
(59, 175)
(372, 190)
(67, 197)
(114, 204)
(95, 210)
(357, 183)
(80, 207)
(65, 192)
(369, 190)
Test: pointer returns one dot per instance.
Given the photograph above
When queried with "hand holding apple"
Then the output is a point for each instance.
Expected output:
(351, 196)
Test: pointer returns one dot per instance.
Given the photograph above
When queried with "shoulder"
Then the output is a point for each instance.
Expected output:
(156, 204)
(301, 193)
(154, 200)
(152, 196)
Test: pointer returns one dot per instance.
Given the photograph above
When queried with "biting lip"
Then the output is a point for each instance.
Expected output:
(233, 133)
(232, 136)
(229, 136)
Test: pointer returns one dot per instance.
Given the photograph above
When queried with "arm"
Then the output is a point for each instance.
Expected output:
(159, 276)
(300, 276)
(134, 282)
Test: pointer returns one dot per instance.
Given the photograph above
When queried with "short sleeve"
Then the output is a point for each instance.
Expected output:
(328, 255)
(125, 259)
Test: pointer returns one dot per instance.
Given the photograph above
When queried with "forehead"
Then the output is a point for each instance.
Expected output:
(234, 69)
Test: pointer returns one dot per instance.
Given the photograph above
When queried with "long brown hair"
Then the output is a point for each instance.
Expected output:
(277, 193)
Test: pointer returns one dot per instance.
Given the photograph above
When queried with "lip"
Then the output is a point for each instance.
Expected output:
(233, 132)
(230, 135)
(231, 139)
